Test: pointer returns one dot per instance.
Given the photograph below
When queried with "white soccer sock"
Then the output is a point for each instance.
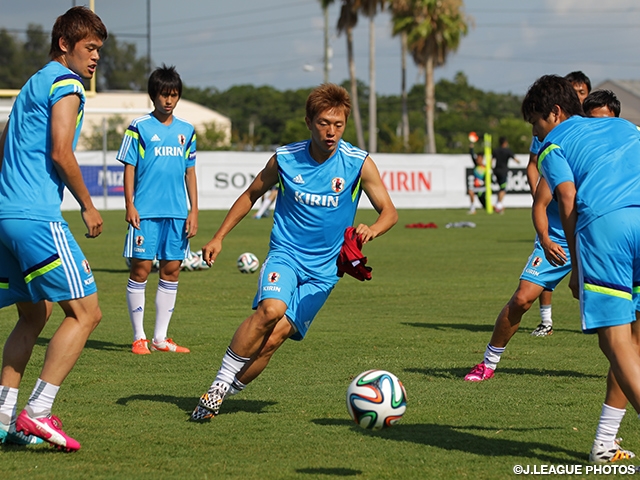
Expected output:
(236, 387)
(41, 400)
(545, 314)
(135, 302)
(492, 356)
(165, 302)
(231, 365)
(610, 420)
(264, 206)
(8, 404)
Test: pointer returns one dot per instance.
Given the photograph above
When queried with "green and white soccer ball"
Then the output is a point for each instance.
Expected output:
(376, 399)
(248, 263)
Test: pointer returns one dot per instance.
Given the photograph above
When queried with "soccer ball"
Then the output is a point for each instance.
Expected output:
(193, 261)
(248, 263)
(376, 399)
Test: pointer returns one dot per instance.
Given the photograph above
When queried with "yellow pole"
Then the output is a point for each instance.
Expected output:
(488, 158)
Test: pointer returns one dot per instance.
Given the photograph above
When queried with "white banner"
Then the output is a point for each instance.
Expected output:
(413, 180)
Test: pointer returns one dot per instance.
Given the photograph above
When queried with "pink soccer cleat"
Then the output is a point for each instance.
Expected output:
(48, 428)
(479, 373)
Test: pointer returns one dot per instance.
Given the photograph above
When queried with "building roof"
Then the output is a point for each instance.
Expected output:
(628, 92)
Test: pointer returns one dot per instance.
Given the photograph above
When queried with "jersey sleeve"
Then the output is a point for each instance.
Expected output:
(67, 84)
(535, 146)
(132, 146)
(190, 151)
(554, 166)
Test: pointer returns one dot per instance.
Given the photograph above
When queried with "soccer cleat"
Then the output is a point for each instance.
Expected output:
(542, 330)
(8, 435)
(49, 429)
(209, 404)
(168, 345)
(479, 373)
(140, 347)
(609, 453)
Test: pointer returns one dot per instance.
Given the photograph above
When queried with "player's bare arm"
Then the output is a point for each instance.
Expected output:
(532, 173)
(566, 195)
(63, 126)
(191, 224)
(131, 212)
(379, 197)
(267, 178)
(552, 251)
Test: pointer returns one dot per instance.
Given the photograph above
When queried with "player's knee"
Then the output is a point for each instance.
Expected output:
(522, 300)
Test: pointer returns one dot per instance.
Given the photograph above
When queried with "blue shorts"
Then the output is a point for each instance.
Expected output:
(608, 252)
(538, 270)
(161, 238)
(41, 261)
(281, 278)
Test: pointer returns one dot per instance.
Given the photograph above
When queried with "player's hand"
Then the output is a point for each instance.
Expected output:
(555, 254)
(574, 284)
(191, 225)
(133, 217)
(211, 250)
(365, 233)
(93, 221)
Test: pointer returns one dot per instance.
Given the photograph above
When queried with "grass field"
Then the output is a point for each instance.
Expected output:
(426, 316)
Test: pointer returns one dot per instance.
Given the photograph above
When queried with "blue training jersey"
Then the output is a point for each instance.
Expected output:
(535, 146)
(161, 155)
(601, 156)
(30, 186)
(316, 203)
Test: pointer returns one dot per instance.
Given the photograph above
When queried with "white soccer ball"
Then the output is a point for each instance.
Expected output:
(248, 263)
(376, 399)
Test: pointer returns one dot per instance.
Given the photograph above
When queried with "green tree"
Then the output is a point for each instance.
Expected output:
(120, 68)
(212, 137)
(116, 125)
(434, 29)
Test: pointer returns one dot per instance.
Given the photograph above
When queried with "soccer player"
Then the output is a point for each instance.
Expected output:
(478, 188)
(320, 180)
(159, 154)
(591, 166)
(582, 86)
(502, 154)
(46, 265)
(267, 200)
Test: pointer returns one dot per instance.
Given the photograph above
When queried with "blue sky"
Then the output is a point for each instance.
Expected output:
(220, 43)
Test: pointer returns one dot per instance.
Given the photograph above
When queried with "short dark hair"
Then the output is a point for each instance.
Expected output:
(579, 77)
(326, 96)
(602, 98)
(502, 140)
(164, 80)
(547, 92)
(76, 24)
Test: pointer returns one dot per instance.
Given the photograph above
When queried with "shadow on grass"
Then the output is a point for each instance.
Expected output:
(187, 404)
(336, 472)
(460, 438)
(471, 327)
(93, 344)
(454, 373)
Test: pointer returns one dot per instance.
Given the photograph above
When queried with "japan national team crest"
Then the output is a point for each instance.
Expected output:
(139, 240)
(273, 277)
(337, 184)
(86, 267)
(182, 139)
(536, 262)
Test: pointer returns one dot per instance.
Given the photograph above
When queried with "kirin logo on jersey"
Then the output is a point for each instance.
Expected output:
(337, 184)
(536, 262)
(139, 240)
(182, 139)
(86, 267)
(273, 277)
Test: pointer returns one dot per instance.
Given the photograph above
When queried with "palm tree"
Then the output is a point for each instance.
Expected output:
(400, 6)
(434, 29)
(370, 9)
(346, 23)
